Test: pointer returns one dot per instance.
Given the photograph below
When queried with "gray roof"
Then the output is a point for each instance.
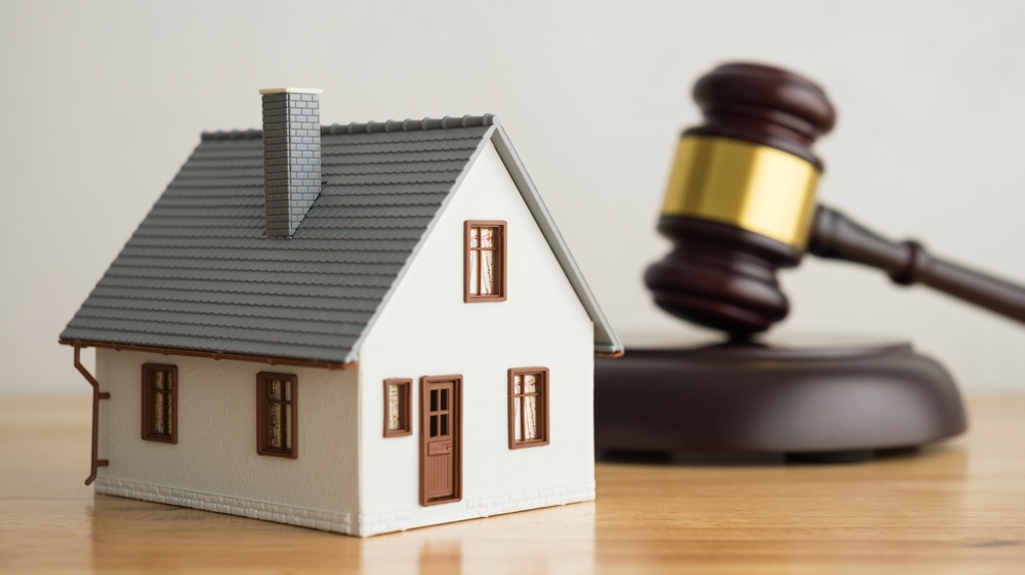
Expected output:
(198, 274)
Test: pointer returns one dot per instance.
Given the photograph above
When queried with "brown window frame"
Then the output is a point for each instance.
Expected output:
(501, 261)
(405, 386)
(149, 393)
(544, 401)
(263, 403)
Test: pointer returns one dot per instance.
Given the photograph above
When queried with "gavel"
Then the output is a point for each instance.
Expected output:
(741, 204)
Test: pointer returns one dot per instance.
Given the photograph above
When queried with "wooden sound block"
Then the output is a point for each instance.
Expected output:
(824, 402)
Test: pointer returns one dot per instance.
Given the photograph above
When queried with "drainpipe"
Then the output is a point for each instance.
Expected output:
(97, 396)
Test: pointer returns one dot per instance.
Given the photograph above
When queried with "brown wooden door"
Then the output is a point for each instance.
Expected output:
(441, 456)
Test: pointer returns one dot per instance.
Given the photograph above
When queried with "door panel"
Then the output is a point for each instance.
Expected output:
(441, 457)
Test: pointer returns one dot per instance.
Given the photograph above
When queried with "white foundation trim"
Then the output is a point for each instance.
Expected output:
(288, 514)
(533, 499)
(328, 521)
(401, 521)
(386, 523)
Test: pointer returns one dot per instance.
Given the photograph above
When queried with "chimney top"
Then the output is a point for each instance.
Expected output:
(266, 91)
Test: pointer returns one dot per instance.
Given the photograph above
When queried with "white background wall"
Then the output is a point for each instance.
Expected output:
(102, 102)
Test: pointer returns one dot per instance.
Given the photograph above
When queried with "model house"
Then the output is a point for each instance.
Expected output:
(359, 328)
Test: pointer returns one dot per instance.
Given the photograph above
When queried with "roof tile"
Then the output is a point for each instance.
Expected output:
(199, 274)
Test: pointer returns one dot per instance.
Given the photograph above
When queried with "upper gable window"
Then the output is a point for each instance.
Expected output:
(484, 261)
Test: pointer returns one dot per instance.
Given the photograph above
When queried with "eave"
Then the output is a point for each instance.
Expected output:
(211, 355)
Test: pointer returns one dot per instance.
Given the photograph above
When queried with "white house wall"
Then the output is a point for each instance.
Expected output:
(427, 329)
(214, 465)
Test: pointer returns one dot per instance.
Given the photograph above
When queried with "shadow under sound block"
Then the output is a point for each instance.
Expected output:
(826, 403)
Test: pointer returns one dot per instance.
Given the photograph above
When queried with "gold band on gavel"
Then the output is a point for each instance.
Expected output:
(754, 187)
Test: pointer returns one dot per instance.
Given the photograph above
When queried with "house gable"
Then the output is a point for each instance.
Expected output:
(605, 339)
(427, 329)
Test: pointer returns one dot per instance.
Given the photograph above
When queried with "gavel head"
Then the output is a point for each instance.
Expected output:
(741, 197)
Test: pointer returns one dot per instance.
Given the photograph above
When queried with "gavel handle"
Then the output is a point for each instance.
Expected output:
(835, 236)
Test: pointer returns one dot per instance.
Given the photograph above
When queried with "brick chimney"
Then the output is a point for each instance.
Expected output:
(291, 156)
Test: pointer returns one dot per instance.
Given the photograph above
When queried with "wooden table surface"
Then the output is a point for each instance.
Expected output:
(956, 508)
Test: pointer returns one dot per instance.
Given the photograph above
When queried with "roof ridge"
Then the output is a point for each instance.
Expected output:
(406, 125)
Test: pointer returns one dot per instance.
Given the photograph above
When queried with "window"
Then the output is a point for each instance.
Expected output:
(276, 425)
(528, 407)
(484, 261)
(397, 407)
(160, 402)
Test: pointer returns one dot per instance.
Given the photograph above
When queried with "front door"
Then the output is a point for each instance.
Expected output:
(441, 439)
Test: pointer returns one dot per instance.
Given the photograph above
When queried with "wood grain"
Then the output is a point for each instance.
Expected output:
(957, 508)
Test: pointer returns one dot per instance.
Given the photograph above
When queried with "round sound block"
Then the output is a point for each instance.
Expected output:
(816, 403)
